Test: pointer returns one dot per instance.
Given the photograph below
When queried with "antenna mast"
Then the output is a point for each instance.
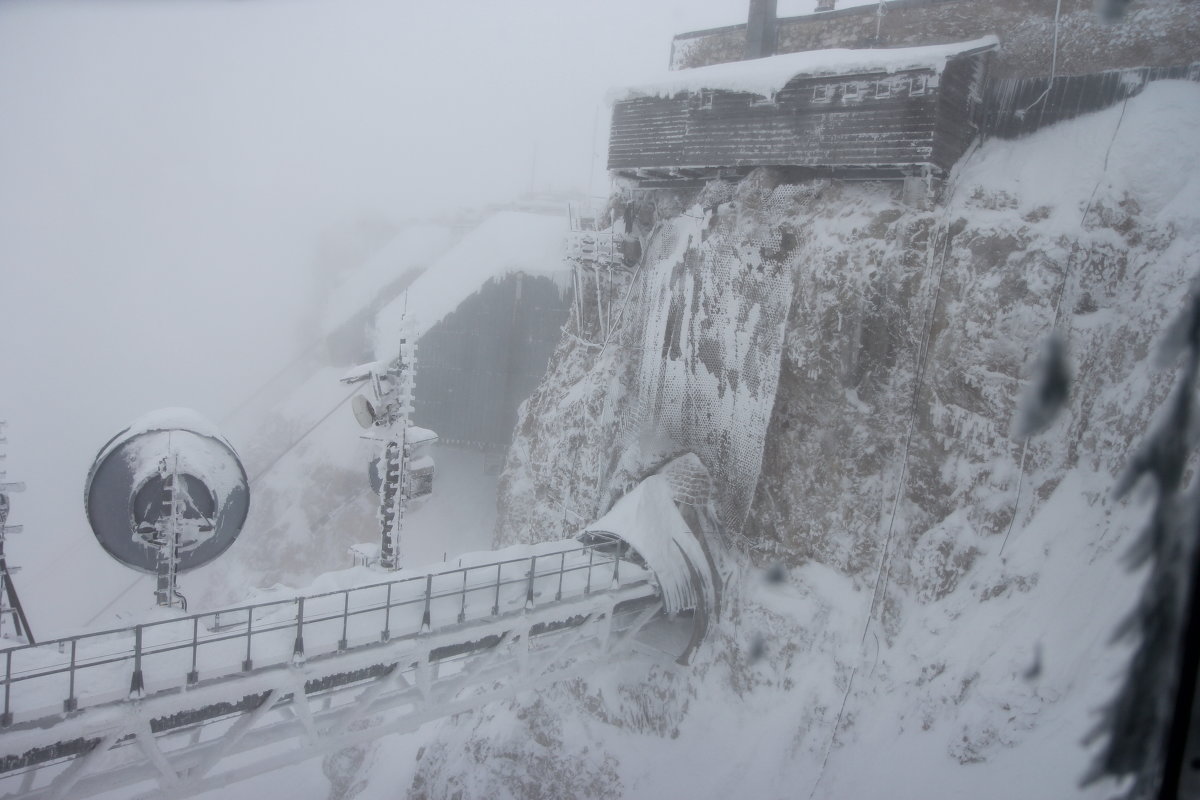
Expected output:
(394, 387)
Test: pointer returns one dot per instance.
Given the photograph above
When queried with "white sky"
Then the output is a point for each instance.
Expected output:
(168, 171)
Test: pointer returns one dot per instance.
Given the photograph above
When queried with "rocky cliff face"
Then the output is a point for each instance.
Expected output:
(948, 589)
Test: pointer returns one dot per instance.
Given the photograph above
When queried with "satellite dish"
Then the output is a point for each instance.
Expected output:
(168, 475)
(364, 412)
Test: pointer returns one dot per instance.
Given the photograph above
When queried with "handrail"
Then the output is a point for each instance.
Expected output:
(271, 622)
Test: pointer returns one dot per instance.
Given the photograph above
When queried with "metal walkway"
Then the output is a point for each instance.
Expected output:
(189, 704)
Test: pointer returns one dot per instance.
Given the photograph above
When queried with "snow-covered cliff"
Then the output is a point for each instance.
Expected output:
(940, 625)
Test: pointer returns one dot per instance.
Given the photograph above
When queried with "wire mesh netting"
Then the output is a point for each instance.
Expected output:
(714, 300)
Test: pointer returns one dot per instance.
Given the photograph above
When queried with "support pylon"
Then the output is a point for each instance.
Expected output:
(10, 603)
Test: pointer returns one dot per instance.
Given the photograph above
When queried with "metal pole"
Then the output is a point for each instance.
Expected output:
(137, 685)
(387, 617)
(616, 569)
(428, 595)
(248, 664)
(462, 612)
(562, 563)
(194, 676)
(6, 720)
(587, 589)
(496, 605)
(345, 619)
(529, 589)
(70, 704)
(298, 646)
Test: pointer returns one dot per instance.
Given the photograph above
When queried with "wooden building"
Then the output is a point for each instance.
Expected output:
(869, 114)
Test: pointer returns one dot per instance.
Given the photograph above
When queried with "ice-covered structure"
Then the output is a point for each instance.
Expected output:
(853, 113)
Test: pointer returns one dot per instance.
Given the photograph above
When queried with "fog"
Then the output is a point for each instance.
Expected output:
(172, 176)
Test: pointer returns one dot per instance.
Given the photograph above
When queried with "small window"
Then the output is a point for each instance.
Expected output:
(820, 94)
(850, 92)
(883, 89)
(918, 86)
(702, 99)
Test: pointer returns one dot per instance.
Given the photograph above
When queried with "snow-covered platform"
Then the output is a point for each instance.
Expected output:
(185, 704)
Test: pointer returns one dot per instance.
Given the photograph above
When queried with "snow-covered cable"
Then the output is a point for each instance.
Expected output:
(1017, 499)
(1053, 65)
(922, 360)
(833, 734)
(304, 435)
(1067, 273)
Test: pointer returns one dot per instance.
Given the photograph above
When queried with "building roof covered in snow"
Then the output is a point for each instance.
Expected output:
(505, 243)
(862, 113)
(765, 77)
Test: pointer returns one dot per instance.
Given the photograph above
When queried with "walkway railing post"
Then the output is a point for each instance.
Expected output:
(6, 719)
(428, 596)
(529, 588)
(462, 611)
(248, 663)
(70, 704)
(496, 604)
(137, 685)
(343, 642)
(587, 589)
(298, 646)
(616, 582)
(386, 633)
(193, 677)
(562, 564)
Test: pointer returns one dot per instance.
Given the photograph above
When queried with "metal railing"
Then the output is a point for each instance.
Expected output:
(166, 654)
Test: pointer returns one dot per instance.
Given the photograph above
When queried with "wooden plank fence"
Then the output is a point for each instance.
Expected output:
(1016, 107)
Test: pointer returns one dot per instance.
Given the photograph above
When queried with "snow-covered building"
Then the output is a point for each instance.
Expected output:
(1036, 36)
(889, 89)
(847, 113)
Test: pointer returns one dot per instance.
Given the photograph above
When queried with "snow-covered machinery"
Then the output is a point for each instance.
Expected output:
(165, 495)
(404, 470)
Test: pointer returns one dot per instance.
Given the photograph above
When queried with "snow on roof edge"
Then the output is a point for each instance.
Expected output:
(766, 76)
(505, 243)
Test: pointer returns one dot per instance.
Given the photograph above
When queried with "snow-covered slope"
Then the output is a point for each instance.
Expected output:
(941, 624)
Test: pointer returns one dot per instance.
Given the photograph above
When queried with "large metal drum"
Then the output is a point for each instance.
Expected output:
(172, 453)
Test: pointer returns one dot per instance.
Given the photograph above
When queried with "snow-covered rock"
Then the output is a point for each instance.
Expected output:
(939, 621)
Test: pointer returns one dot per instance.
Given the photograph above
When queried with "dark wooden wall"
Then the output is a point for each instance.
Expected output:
(957, 107)
(886, 124)
(1016, 106)
(483, 360)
